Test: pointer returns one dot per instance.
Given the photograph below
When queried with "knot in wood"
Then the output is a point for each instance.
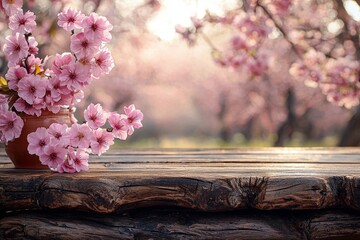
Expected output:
(245, 191)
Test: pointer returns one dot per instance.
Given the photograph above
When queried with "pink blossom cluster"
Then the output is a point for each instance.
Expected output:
(66, 148)
(243, 49)
(336, 73)
(337, 78)
(344, 82)
(31, 88)
(244, 46)
(36, 88)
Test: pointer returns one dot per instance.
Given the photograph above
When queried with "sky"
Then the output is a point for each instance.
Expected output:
(179, 12)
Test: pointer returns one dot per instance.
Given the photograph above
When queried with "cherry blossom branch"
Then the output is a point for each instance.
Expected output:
(280, 28)
(207, 40)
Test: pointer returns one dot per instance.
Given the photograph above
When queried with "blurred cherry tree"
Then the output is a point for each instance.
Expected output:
(321, 40)
(263, 51)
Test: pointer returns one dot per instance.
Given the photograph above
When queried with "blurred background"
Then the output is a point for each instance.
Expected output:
(188, 99)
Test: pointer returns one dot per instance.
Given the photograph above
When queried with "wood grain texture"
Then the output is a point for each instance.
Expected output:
(272, 193)
(199, 179)
(180, 224)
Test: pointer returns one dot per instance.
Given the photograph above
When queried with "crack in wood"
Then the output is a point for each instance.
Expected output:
(284, 188)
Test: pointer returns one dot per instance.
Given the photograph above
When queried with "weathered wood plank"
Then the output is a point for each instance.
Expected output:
(179, 224)
(226, 170)
(216, 169)
(206, 180)
(216, 183)
(114, 192)
(271, 155)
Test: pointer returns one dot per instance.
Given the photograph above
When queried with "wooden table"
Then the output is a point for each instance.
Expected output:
(271, 193)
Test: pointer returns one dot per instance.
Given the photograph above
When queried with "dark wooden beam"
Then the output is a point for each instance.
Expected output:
(180, 224)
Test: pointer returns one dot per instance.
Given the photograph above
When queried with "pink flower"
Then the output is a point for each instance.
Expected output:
(118, 125)
(78, 96)
(31, 87)
(70, 19)
(95, 116)
(11, 7)
(10, 125)
(66, 166)
(74, 76)
(20, 22)
(22, 106)
(82, 46)
(33, 46)
(59, 134)
(51, 98)
(53, 155)
(87, 62)
(56, 87)
(39, 103)
(103, 63)
(133, 118)
(38, 140)
(33, 62)
(79, 159)
(101, 141)
(14, 75)
(62, 60)
(97, 27)
(16, 48)
(80, 135)
(72, 98)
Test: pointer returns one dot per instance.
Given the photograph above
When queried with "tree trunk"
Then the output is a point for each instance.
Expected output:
(287, 128)
(351, 134)
(225, 132)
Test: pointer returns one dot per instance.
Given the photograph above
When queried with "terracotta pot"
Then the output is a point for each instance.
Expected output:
(17, 149)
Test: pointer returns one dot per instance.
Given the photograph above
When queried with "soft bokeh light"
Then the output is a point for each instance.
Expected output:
(179, 12)
(188, 97)
(353, 9)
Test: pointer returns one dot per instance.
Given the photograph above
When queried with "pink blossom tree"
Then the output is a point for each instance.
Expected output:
(251, 98)
(324, 39)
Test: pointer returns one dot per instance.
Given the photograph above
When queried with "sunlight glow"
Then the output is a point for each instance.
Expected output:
(335, 26)
(179, 12)
(353, 9)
